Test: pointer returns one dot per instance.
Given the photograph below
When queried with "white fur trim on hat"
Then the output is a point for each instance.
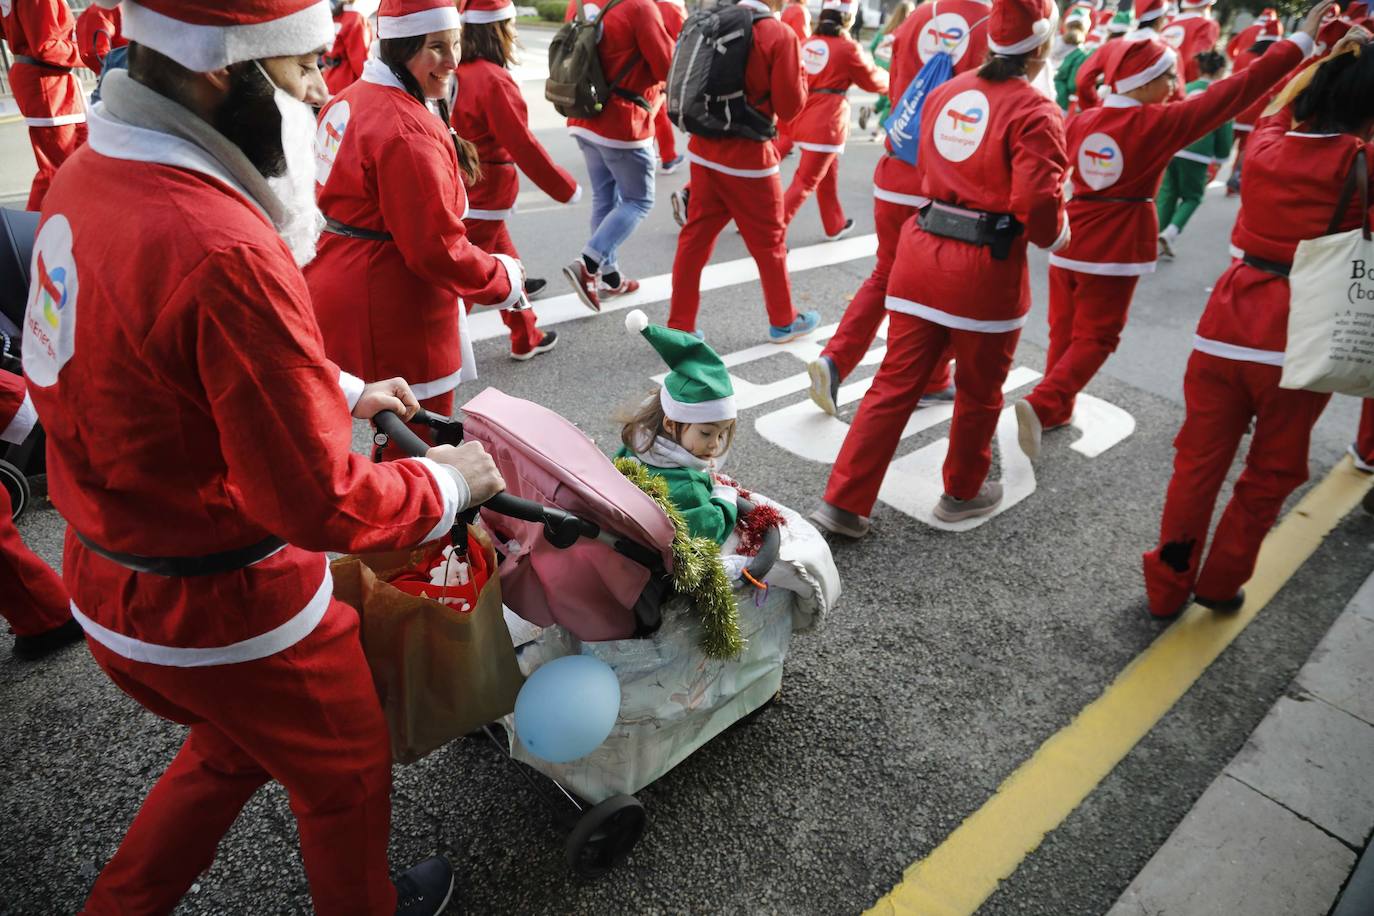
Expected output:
(1152, 15)
(701, 412)
(203, 48)
(1154, 71)
(439, 19)
(1041, 31)
(479, 17)
(843, 7)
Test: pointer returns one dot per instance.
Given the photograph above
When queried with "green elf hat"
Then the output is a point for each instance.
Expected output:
(697, 389)
(1121, 23)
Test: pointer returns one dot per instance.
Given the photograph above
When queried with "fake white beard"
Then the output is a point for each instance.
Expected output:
(301, 222)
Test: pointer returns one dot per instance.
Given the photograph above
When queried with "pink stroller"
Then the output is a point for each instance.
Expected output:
(586, 563)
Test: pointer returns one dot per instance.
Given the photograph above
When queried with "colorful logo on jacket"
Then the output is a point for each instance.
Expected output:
(815, 54)
(328, 138)
(1174, 35)
(961, 125)
(945, 32)
(1100, 162)
(50, 319)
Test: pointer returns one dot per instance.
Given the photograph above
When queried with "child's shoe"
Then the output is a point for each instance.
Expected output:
(803, 324)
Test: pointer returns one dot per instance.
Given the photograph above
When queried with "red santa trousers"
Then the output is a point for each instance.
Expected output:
(865, 312)
(1221, 396)
(817, 173)
(492, 236)
(1087, 315)
(1364, 440)
(35, 599)
(307, 717)
(664, 135)
(755, 204)
(915, 348)
(51, 147)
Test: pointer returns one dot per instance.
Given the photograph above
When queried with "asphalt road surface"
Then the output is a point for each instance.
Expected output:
(949, 660)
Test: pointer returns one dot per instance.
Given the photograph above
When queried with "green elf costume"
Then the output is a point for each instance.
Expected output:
(1185, 180)
(697, 390)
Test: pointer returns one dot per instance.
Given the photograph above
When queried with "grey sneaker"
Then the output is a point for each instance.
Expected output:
(825, 385)
(838, 521)
(989, 497)
(931, 398)
(1166, 250)
(1028, 429)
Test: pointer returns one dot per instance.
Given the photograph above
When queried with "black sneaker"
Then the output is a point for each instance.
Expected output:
(534, 286)
(32, 648)
(1223, 605)
(678, 200)
(546, 343)
(425, 889)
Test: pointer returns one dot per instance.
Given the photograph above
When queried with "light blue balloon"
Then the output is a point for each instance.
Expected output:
(567, 708)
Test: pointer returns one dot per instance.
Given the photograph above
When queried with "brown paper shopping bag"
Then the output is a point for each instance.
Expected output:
(439, 673)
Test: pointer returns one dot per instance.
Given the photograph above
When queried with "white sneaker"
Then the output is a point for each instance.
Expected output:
(1166, 250)
(1028, 429)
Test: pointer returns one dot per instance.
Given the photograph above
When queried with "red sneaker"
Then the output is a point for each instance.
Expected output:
(584, 283)
(626, 286)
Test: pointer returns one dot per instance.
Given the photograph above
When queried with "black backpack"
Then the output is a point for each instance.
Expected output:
(577, 86)
(706, 81)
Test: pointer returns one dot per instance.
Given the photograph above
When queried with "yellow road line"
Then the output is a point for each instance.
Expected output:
(966, 868)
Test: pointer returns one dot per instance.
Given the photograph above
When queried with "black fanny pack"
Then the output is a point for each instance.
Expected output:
(977, 227)
(332, 225)
(181, 567)
(35, 62)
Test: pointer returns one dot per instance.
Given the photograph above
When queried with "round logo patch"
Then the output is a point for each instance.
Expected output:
(1100, 161)
(6, 6)
(50, 322)
(592, 10)
(961, 124)
(328, 136)
(945, 32)
(1173, 36)
(815, 54)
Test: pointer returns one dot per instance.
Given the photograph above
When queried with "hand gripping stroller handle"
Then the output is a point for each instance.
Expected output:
(763, 561)
(562, 529)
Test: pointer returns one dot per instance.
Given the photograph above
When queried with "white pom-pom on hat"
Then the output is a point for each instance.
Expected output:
(636, 321)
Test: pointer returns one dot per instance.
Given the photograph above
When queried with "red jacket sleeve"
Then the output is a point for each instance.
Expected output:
(51, 31)
(864, 73)
(357, 44)
(509, 119)
(283, 422)
(417, 190)
(17, 416)
(1039, 163)
(787, 81)
(1088, 73)
(652, 38)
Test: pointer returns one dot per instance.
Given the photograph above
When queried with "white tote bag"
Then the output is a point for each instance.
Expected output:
(1331, 305)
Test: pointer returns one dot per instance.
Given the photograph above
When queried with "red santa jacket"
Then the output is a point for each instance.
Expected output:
(990, 146)
(386, 163)
(98, 31)
(1120, 151)
(1243, 39)
(912, 45)
(352, 40)
(832, 63)
(190, 409)
(797, 17)
(775, 84)
(44, 30)
(490, 112)
(674, 15)
(634, 46)
(17, 415)
(1190, 34)
(1293, 180)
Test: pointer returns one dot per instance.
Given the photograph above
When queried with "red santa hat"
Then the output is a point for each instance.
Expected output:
(204, 35)
(1021, 26)
(1357, 11)
(1270, 30)
(480, 11)
(1150, 10)
(1195, 4)
(1140, 62)
(408, 18)
(1269, 14)
(843, 7)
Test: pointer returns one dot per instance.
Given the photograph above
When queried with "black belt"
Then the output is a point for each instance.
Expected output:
(497, 161)
(828, 91)
(1277, 268)
(208, 565)
(35, 62)
(353, 232)
(977, 227)
(1118, 200)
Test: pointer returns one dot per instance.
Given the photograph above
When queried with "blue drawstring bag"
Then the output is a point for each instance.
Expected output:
(903, 125)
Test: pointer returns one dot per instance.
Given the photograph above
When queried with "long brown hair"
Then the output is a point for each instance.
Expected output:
(645, 421)
(490, 41)
(396, 53)
(897, 16)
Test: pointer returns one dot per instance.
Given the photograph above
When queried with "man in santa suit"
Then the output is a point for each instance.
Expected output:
(1149, 19)
(1120, 151)
(736, 178)
(42, 39)
(1249, 35)
(34, 602)
(199, 448)
(97, 34)
(670, 160)
(992, 165)
(961, 28)
(343, 63)
(1190, 33)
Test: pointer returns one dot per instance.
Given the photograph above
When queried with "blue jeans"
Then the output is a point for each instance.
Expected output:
(622, 195)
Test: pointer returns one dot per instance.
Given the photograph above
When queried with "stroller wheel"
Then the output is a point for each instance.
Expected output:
(604, 836)
(17, 485)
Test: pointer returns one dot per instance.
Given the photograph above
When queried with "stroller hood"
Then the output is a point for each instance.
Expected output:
(589, 588)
